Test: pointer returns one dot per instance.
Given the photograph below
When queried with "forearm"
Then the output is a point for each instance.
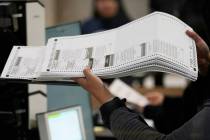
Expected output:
(103, 96)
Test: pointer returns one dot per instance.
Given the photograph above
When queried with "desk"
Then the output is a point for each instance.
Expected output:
(171, 92)
(103, 133)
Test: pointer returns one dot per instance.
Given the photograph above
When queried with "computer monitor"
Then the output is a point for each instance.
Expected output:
(68, 29)
(63, 124)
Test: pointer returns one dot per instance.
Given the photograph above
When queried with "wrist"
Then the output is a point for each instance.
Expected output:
(103, 96)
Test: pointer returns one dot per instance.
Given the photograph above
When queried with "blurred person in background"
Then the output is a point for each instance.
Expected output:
(107, 14)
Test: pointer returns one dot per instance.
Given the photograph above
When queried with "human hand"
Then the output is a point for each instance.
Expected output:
(94, 85)
(155, 98)
(202, 52)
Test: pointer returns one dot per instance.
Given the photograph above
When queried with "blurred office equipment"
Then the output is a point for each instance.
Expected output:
(16, 22)
(62, 124)
(37, 103)
(64, 96)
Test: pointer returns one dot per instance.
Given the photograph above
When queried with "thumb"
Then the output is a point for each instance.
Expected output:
(194, 36)
(88, 74)
(91, 77)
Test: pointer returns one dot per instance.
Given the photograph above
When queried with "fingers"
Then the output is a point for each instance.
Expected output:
(90, 78)
(87, 72)
(81, 81)
(89, 75)
(194, 36)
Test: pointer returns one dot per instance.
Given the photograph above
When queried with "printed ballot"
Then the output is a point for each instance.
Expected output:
(156, 42)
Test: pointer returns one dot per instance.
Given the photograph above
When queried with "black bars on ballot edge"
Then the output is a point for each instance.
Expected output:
(25, 81)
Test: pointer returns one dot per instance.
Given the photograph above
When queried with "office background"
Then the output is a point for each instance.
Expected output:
(57, 13)
(62, 11)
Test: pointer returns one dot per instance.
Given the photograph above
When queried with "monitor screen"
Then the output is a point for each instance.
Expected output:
(65, 124)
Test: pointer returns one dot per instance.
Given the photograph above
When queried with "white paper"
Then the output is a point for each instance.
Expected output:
(24, 62)
(119, 89)
(156, 42)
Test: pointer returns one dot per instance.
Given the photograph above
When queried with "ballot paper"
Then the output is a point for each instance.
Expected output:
(156, 42)
(121, 90)
(24, 62)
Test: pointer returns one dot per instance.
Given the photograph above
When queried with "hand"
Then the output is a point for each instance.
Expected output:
(202, 52)
(155, 98)
(94, 85)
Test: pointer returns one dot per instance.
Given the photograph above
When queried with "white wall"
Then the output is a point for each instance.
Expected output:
(73, 10)
(137, 8)
(51, 7)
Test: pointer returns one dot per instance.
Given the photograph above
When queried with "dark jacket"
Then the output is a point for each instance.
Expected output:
(128, 125)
